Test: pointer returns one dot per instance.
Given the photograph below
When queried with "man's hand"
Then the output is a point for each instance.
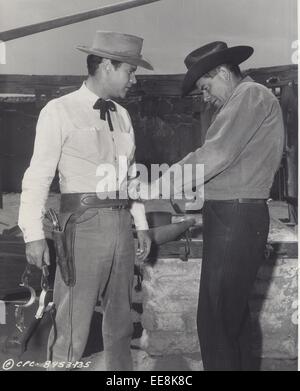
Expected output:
(150, 191)
(144, 245)
(133, 189)
(37, 253)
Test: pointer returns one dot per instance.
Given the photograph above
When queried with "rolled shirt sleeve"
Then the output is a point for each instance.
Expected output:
(138, 213)
(137, 209)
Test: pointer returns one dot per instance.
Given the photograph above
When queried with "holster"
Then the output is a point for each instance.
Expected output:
(64, 248)
(72, 206)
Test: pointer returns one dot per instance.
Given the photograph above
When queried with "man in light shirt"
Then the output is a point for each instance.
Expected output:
(241, 154)
(90, 139)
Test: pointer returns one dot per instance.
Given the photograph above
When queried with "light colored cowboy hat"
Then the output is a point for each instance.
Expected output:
(208, 57)
(117, 46)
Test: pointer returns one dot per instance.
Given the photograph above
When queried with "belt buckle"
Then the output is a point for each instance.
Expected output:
(89, 200)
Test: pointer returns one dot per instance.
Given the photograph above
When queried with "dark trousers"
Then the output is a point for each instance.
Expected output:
(234, 239)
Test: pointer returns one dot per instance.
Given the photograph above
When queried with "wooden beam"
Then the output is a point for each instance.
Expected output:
(176, 248)
(23, 31)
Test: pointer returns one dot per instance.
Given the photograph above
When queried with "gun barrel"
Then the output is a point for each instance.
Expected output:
(169, 232)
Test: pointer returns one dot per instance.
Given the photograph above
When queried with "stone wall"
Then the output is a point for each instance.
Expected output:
(170, 295)
(274, 307)
(170, 305)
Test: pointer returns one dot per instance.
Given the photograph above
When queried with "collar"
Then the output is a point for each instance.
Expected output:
(243, 80)
(88, 95)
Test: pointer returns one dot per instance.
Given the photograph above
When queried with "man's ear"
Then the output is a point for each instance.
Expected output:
(224, 73)
(106, 64)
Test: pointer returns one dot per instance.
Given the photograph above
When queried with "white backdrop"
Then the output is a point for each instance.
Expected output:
(170, 28)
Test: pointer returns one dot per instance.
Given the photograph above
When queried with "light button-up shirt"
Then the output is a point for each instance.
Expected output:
(89, 156)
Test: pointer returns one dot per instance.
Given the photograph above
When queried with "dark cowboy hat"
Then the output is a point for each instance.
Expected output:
(208, 57)
(118, 46)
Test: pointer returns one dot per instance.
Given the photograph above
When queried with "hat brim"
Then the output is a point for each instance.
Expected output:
(138, 61)
(235, 55)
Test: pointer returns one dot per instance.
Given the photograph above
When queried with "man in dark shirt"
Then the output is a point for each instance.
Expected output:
(241, 155)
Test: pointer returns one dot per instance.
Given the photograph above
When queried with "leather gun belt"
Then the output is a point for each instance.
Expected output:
(72, 206)
(79, 202)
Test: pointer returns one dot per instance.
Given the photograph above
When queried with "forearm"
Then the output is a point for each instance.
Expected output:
(138, 213)
(32, 205)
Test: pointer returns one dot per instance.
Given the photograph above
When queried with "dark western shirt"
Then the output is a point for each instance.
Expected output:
(243, 146)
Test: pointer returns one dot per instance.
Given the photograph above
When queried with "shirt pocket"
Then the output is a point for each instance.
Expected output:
(89, 143)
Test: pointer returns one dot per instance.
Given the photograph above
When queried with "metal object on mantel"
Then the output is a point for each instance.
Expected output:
(17, 341)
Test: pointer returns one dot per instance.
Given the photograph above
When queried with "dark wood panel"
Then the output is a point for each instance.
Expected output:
(167, 127)
(158, 85)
